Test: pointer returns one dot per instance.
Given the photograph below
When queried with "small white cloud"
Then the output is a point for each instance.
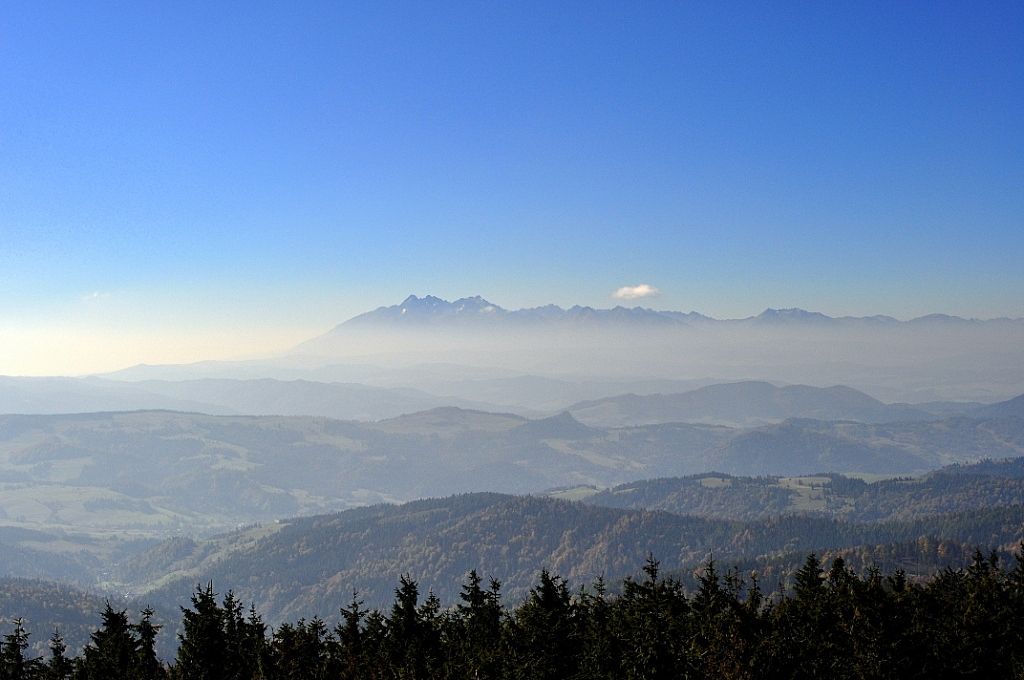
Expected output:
(642, 290)
(95, 295)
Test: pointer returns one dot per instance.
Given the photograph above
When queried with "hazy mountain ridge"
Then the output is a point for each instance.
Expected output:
(930, 358)
(219, 396)
(431, 309)
(1010, 408)
(453, 382)
(743, 404)
(796, 446)
(738, 404)
(476, 354)
(31, 395)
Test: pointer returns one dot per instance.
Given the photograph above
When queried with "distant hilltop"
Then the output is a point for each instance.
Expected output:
(430, 309)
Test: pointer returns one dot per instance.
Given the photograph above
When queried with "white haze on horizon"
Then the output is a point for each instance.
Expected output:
(77, 351)
(939, 360)
(943, 359)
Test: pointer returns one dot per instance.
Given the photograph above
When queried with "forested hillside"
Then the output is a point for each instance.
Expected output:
(46, 604)
(798, 447)
(951, 489)
(830, 622)
(306, 566)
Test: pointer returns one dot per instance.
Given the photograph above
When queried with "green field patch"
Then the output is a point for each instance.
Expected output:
(810, 492)
(574, 493)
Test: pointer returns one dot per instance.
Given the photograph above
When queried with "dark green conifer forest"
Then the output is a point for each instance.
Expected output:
(831, 622)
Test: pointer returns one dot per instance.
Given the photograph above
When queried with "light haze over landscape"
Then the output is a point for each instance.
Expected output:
(206, 183)
(305, 299)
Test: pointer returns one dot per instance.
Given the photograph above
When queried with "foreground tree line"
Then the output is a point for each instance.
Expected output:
(831, 623)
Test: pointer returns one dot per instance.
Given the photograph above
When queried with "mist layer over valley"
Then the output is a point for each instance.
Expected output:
(924, 359)
(204, 447)
(511, 341)
(430, 438)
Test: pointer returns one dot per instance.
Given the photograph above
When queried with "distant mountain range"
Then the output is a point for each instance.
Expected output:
(431, 310)
(929, 358)
(737, 404)
(476, 354)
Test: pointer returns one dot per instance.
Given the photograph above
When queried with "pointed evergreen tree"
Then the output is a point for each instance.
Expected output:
(257, 660)
(807, 582)
(546, 638)
(112, 650)
(650, 617)
(476, 629)
(15, 666)
(349, 634)
(1015, 605)
(148, 666)
(985, 621)
(237, 665)
(430, 634)
(201, 652)
(58, 666)
(300, 650)
(375, 641)
(599, 651)
(719, 638)
(410, 634)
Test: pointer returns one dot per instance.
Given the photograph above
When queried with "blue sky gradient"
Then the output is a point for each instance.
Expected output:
(272, 169)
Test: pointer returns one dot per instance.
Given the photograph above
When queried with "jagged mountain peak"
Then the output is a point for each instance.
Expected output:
(428, 308)
(425, 301)
(475, 303)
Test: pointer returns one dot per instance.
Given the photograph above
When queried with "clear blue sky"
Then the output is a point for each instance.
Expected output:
(268, 170)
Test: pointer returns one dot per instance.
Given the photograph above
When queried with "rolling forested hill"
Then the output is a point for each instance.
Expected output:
(307, 566)
(45, 605)
(311, 565)
(952, 489)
